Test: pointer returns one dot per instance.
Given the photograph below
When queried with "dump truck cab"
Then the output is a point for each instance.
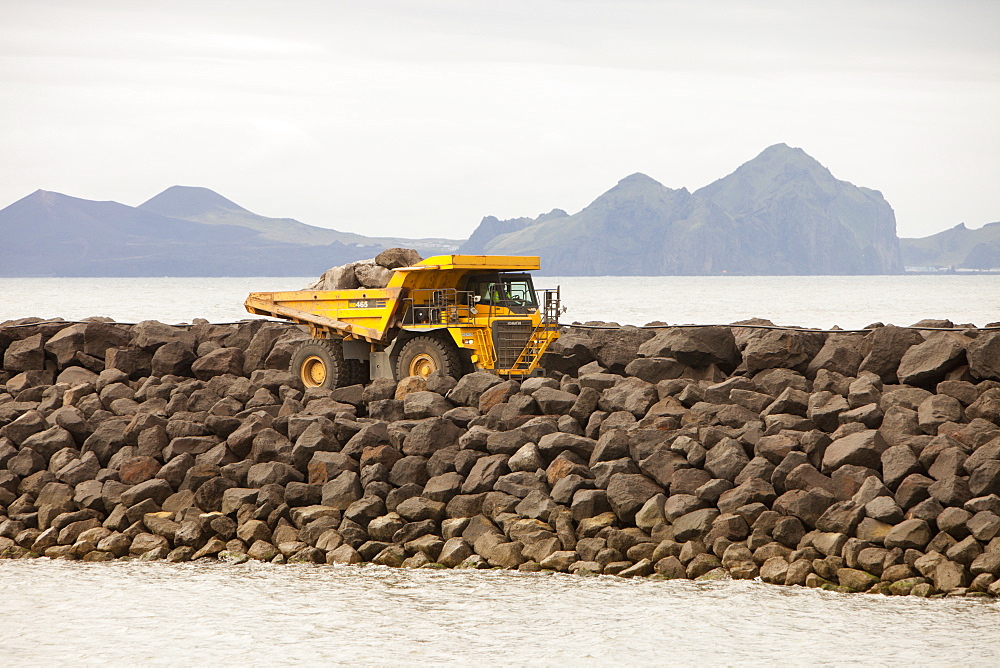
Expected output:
(449, 313)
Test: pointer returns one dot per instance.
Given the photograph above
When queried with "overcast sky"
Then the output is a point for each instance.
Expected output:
(419, 118)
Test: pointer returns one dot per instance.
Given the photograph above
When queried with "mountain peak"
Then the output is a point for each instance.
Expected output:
(639, 179)
(50, 198)
(44, 196)
(636, 185)
(188, 201)
(773, 170)
(786, 155)
(781, 147)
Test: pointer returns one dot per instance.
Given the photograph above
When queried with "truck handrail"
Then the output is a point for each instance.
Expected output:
(436, 306)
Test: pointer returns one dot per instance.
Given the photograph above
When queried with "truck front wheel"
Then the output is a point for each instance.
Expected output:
(423, 355)
(319, 363)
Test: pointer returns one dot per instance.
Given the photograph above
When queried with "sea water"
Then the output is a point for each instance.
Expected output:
(56, 612)
(808, 301)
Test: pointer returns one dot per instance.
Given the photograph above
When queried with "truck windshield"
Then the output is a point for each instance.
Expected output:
(512, 291)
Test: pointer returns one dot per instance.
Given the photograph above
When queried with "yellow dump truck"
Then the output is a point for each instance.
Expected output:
(453, 313)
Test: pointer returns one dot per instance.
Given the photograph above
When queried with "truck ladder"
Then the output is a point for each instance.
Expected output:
(485, 349)
(533, 350)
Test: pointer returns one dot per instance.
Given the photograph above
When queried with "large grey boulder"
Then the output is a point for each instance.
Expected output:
(156, 489)
(64, 344)
(87, 338)
(863, 448)
(173, 358)
(393, 258)
(909, 534)
(898, 462)
(884, 348)
(694, 525)
(770, 349)
(807, 505)
(937, 409)
(371, 275)
(24, 355)
(337, 278)
(695, 346)
(928, 362)
(342, 491)
(485, 473)
(424, 404)
(615, 348)
(550, 445)
(210, 493)
(471, 387)
(825, 409)
(987, 406)
(272, 473)
(726, 459)
(985, 479)
(631, 394)
(430, 435)
(553, 402)
(842, 353)
(151, 334)
(628, 492)
(983, 353)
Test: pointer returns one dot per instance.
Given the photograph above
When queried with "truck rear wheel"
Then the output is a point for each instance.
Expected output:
(355, 372)
(319, 363)
(423, 355)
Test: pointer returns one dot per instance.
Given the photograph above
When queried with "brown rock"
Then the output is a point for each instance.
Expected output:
(855, 580)
(937, 409)
(808, 506)
(909, 534)
(885, 347)
(984, 355)
(695, 347)
(897, 463)
(342, 491)
(863, 448)
(485, 472)
(694, 525)
(138, 469)
(987, 406)
(927, 363)
(627, 493)
(841, 353)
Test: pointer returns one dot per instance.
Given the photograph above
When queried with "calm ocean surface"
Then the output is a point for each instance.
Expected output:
(54, 612)
(809, 301)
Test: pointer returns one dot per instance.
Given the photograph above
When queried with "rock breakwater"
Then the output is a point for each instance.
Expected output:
(851, 461)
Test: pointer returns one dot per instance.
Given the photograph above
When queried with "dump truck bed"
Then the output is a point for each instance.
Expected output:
(366, 313)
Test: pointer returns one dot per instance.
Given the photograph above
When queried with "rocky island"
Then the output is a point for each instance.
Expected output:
(855, 461)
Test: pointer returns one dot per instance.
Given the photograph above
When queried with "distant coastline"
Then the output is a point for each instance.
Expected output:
(938, 271)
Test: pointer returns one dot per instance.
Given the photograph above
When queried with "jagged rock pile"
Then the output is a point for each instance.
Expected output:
(858, 462)
(374, 273)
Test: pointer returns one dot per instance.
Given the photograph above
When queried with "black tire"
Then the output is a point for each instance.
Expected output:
(423, 355)
(319, 363)
(355, 372)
